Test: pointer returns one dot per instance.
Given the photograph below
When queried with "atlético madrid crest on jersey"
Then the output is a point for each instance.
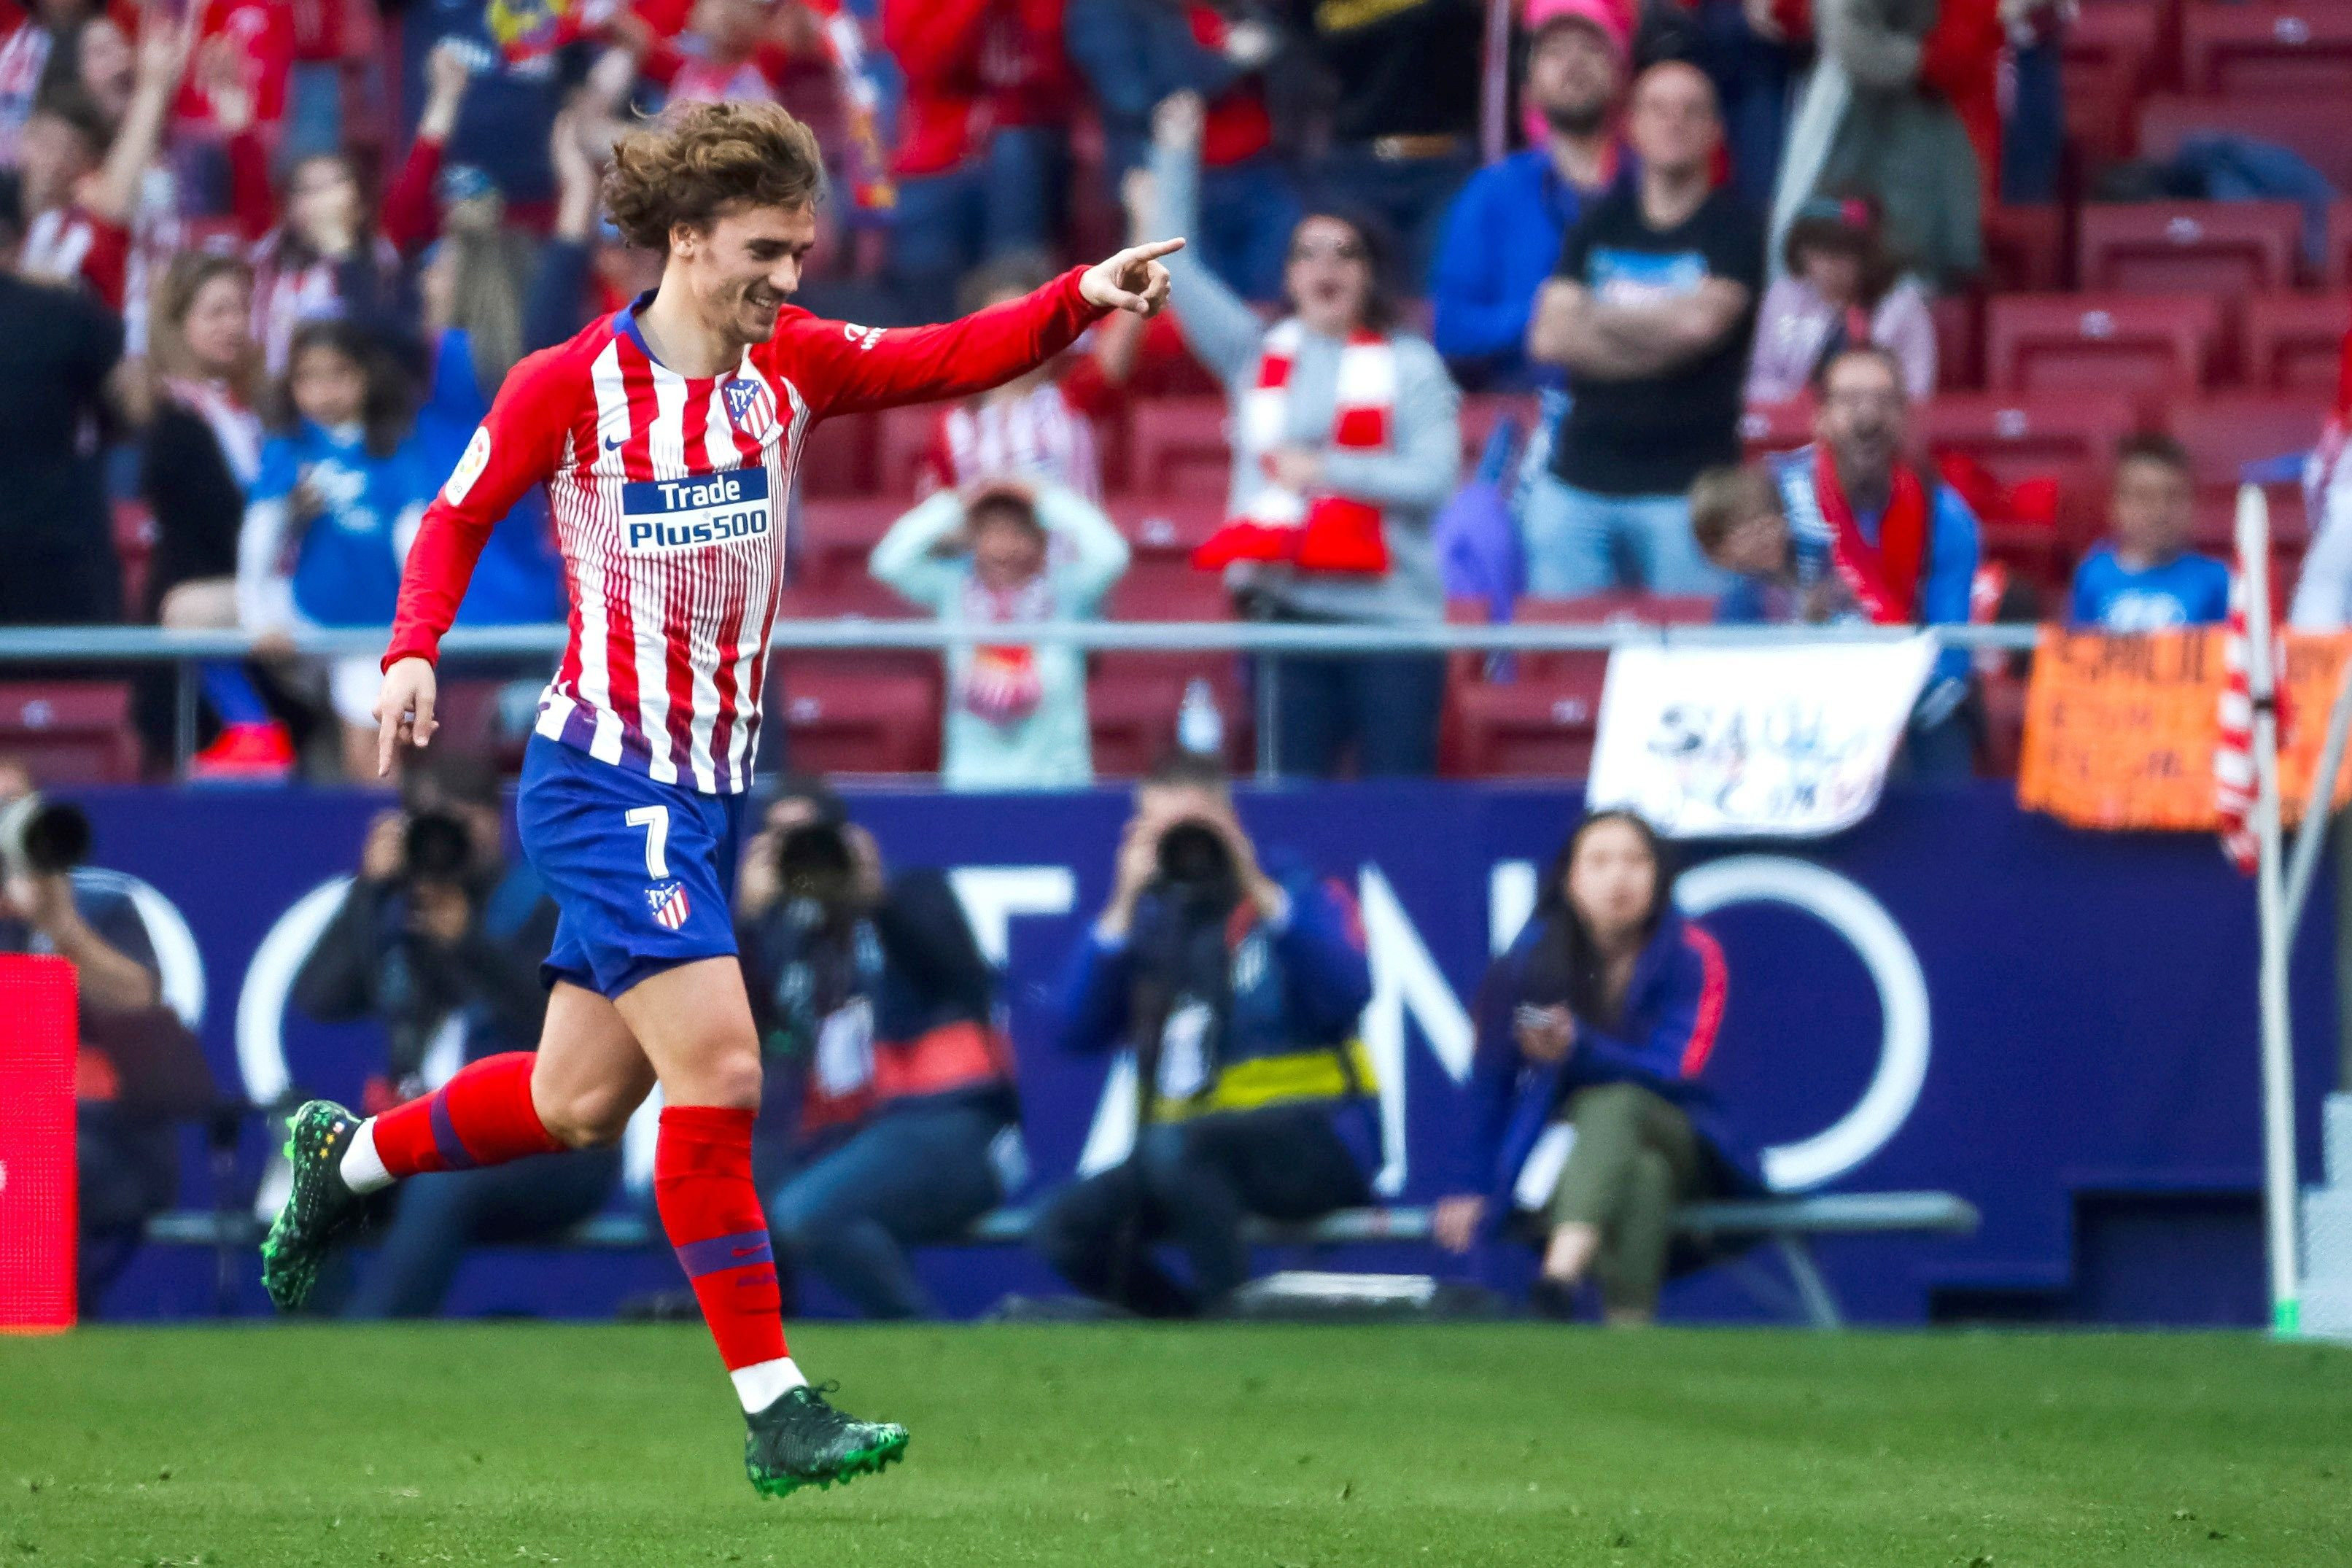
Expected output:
(667, 902)
(749, 405)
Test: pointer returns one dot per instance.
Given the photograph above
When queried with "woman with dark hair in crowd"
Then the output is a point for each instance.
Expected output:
(327, 529)
(473, 282)
(327, 253)
(1842, 288)
(199, 457)
(1600, 1018)
(1345, 441)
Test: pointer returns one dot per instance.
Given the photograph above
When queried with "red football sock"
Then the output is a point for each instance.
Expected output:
(483, 1116)
(711, 1210)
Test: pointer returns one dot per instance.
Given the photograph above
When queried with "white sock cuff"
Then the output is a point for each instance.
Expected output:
(363, 1167)
(761, 1383)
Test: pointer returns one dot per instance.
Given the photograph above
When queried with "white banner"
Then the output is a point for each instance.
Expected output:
(1728, 742)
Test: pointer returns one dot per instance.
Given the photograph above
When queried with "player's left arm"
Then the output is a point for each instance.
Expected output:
(848, 368)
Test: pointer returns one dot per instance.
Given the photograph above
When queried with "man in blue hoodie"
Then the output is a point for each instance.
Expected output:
(1240, 990)
(1504, 236)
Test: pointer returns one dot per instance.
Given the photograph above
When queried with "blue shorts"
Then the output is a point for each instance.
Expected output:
(643, 874)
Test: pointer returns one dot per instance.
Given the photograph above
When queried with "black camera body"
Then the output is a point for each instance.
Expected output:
(42, 837)
(435, 847)
(814, 861)
(1193, 855)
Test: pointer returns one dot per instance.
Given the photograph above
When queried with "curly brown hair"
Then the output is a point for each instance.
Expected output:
(701, 158)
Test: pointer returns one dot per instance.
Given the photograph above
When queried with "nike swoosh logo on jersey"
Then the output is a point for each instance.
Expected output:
(612, 446)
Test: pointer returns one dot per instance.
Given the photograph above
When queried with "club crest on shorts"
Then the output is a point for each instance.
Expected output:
(668, 902)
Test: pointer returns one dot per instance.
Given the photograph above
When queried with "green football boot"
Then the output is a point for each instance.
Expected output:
(319, 1207)
(801, 1440)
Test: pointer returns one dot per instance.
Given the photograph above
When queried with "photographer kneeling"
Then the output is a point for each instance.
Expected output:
(1600, 1018)
(1241, 993)
(874, 996)
(441, 939)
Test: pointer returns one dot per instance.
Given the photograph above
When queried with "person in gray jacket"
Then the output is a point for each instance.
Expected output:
(1347, 439)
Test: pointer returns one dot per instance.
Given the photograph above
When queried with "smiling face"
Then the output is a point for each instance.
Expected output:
(219, 328)
(1612, 881)
(1329, 275)
(741, 269)
(1864, 418)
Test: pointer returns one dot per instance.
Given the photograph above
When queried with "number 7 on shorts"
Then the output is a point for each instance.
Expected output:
(654, 820)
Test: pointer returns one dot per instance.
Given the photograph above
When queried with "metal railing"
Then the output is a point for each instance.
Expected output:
(133, 645)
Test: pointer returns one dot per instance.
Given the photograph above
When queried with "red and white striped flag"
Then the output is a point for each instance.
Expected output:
(2235, 782)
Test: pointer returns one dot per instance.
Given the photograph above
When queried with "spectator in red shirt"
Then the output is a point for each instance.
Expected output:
(1133, 53)
(82, 178)
(326, 254)
(980, 149)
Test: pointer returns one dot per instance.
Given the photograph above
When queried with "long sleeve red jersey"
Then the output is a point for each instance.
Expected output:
(668, 494)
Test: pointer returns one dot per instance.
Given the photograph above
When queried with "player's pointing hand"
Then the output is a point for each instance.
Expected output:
(1131, 280)
(404, 710)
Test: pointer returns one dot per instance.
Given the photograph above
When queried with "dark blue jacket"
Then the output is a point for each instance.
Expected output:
(1673, 1008)
(1304, 1001)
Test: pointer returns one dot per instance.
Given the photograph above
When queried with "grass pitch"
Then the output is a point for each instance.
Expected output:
(518, 1445)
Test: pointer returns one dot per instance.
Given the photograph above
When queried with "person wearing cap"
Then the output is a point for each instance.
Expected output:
(1009, 552)
(1652, 312)
(1842, 288)
(1507, 226)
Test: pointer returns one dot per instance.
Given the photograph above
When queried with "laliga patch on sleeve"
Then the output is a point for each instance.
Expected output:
(470, 466)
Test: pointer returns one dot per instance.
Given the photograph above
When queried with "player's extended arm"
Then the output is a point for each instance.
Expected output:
(517, 446)
(850, 368)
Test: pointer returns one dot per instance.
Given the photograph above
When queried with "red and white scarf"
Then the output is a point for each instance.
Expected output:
(1001, 684)
(1883, 577)
(1321, 533)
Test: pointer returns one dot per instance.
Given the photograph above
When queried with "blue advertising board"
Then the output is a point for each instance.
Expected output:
(2059, 1026)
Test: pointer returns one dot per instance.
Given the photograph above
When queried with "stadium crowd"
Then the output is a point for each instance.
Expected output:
(267, 262)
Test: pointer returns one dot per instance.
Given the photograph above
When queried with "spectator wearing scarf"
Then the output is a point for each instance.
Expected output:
(1905, 545)
(1007, 554)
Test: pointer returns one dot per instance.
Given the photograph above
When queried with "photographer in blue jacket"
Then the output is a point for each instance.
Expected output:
(1598, 1022)
(1240, 989)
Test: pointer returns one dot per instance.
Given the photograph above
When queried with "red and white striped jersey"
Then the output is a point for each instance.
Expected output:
(668, 496)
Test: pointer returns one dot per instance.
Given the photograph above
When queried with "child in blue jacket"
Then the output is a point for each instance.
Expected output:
(1600, 1019)
(329, 521)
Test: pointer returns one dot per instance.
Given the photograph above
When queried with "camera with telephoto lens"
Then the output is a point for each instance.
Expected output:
(435, 847)
(1193, 855)
(42, 837)
(814, 861)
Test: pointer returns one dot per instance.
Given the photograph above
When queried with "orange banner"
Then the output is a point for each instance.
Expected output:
(2119, 731)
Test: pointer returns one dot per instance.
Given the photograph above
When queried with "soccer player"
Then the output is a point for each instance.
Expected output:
(666, 435)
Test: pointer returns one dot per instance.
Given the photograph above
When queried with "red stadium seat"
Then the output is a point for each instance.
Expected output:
(2025, 249)
(842, 718)
(1482, 414)
(2311, 124)
(2295, 342)
(70, 731)
(2223, 435)
(2151, 344)
(837, 535)
(1167, 527)
(839, 457)
(1164, 589)
(2225, 248)
(1960, 341)
(2258, 49)
(1542, 723)
(1777, 426)
(902, 436)
(1179, 447)
(1132, 701)
(2336, 263)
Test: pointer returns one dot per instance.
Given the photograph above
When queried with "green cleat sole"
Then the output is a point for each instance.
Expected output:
(861, 1462)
